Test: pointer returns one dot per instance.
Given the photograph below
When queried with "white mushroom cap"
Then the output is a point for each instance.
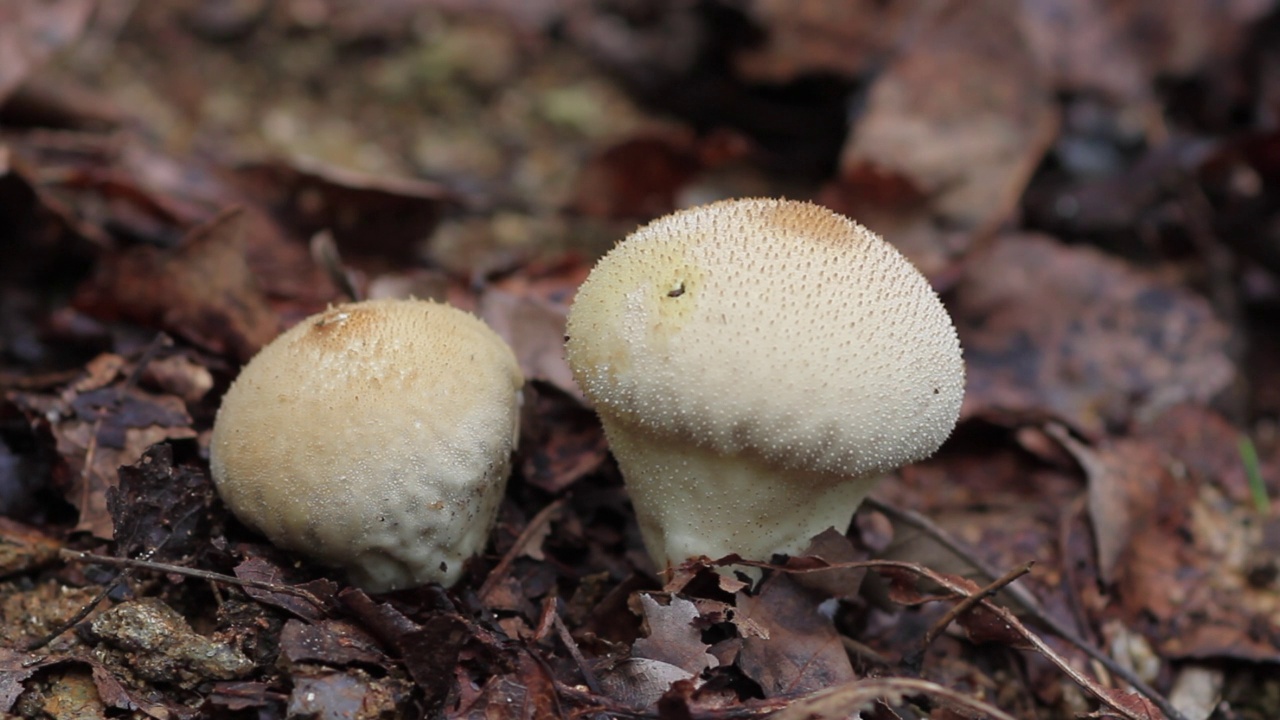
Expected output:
(374, 436)
(757, 365)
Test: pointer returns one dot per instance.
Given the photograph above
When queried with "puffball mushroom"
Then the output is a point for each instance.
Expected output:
(757, 365)
(376, 437)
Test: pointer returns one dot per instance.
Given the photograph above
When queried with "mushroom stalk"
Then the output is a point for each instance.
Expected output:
(692, 501)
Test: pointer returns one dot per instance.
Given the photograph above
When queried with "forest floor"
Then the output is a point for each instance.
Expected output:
(1092, 188)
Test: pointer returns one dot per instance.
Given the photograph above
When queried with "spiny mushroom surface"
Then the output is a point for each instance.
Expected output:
(375, 437)
(757, 365)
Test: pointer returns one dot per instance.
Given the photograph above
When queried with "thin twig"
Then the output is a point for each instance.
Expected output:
(967, 604)
(572, 646)
(149, 353)
(78, 556)
(1006, 616)
(324, 251)
(80, 615)
(943, 538)
(1033, 606)
(851, 697)
(864, 653)
(522, 542)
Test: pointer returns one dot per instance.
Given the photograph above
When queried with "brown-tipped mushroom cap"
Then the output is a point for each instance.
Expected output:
(374, 436)
(757, 364)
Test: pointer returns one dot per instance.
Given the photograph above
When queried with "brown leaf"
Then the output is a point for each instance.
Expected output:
(672, 637)
(348, 694)
(639, 683)
(178, 375)
(93, 466)
(1119, 48)
(373, 218)
(161, 507)
(527, 694)
(637, 178)
(961, 112)
(1050, 330)
(1178, 555)
(262, 570)
(560, 440)
(803, 651)
(15, 667)
(982, 626)
(236, 696)
(1126, 480)
(1207, 445)
(31, 31)
(827, 36)
(330, 642)
(833, 547)
(535, 331)
(202, 290)
(99, 432)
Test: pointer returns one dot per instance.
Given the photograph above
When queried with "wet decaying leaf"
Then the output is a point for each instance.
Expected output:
(73, 686)
(561, 442)
(527, 694)
(1091, 186)
(99, 424)
(346, 694)
(311, 604)
(162, 506)
(333, 643)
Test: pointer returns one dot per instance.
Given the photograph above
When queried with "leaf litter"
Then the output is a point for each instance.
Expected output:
(1102, 233)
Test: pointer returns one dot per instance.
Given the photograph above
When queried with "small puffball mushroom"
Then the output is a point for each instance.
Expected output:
(376, 437)
(757, 365)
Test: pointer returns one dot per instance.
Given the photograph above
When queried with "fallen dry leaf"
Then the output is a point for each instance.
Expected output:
(1050, 330)
(1119, 48)
(373, 218)
(31, 31)
(803, 651)
(202, 290)
(962, 115)
(672, 636)
(833, 36)
(98, 431)
(1125, 482)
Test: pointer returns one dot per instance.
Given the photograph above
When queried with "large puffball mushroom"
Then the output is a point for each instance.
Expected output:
(376, 437)
(757, 366)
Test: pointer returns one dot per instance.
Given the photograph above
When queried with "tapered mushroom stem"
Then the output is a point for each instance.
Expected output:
(693, 501)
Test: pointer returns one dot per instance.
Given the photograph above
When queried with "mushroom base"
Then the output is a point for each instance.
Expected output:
(691, 501)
